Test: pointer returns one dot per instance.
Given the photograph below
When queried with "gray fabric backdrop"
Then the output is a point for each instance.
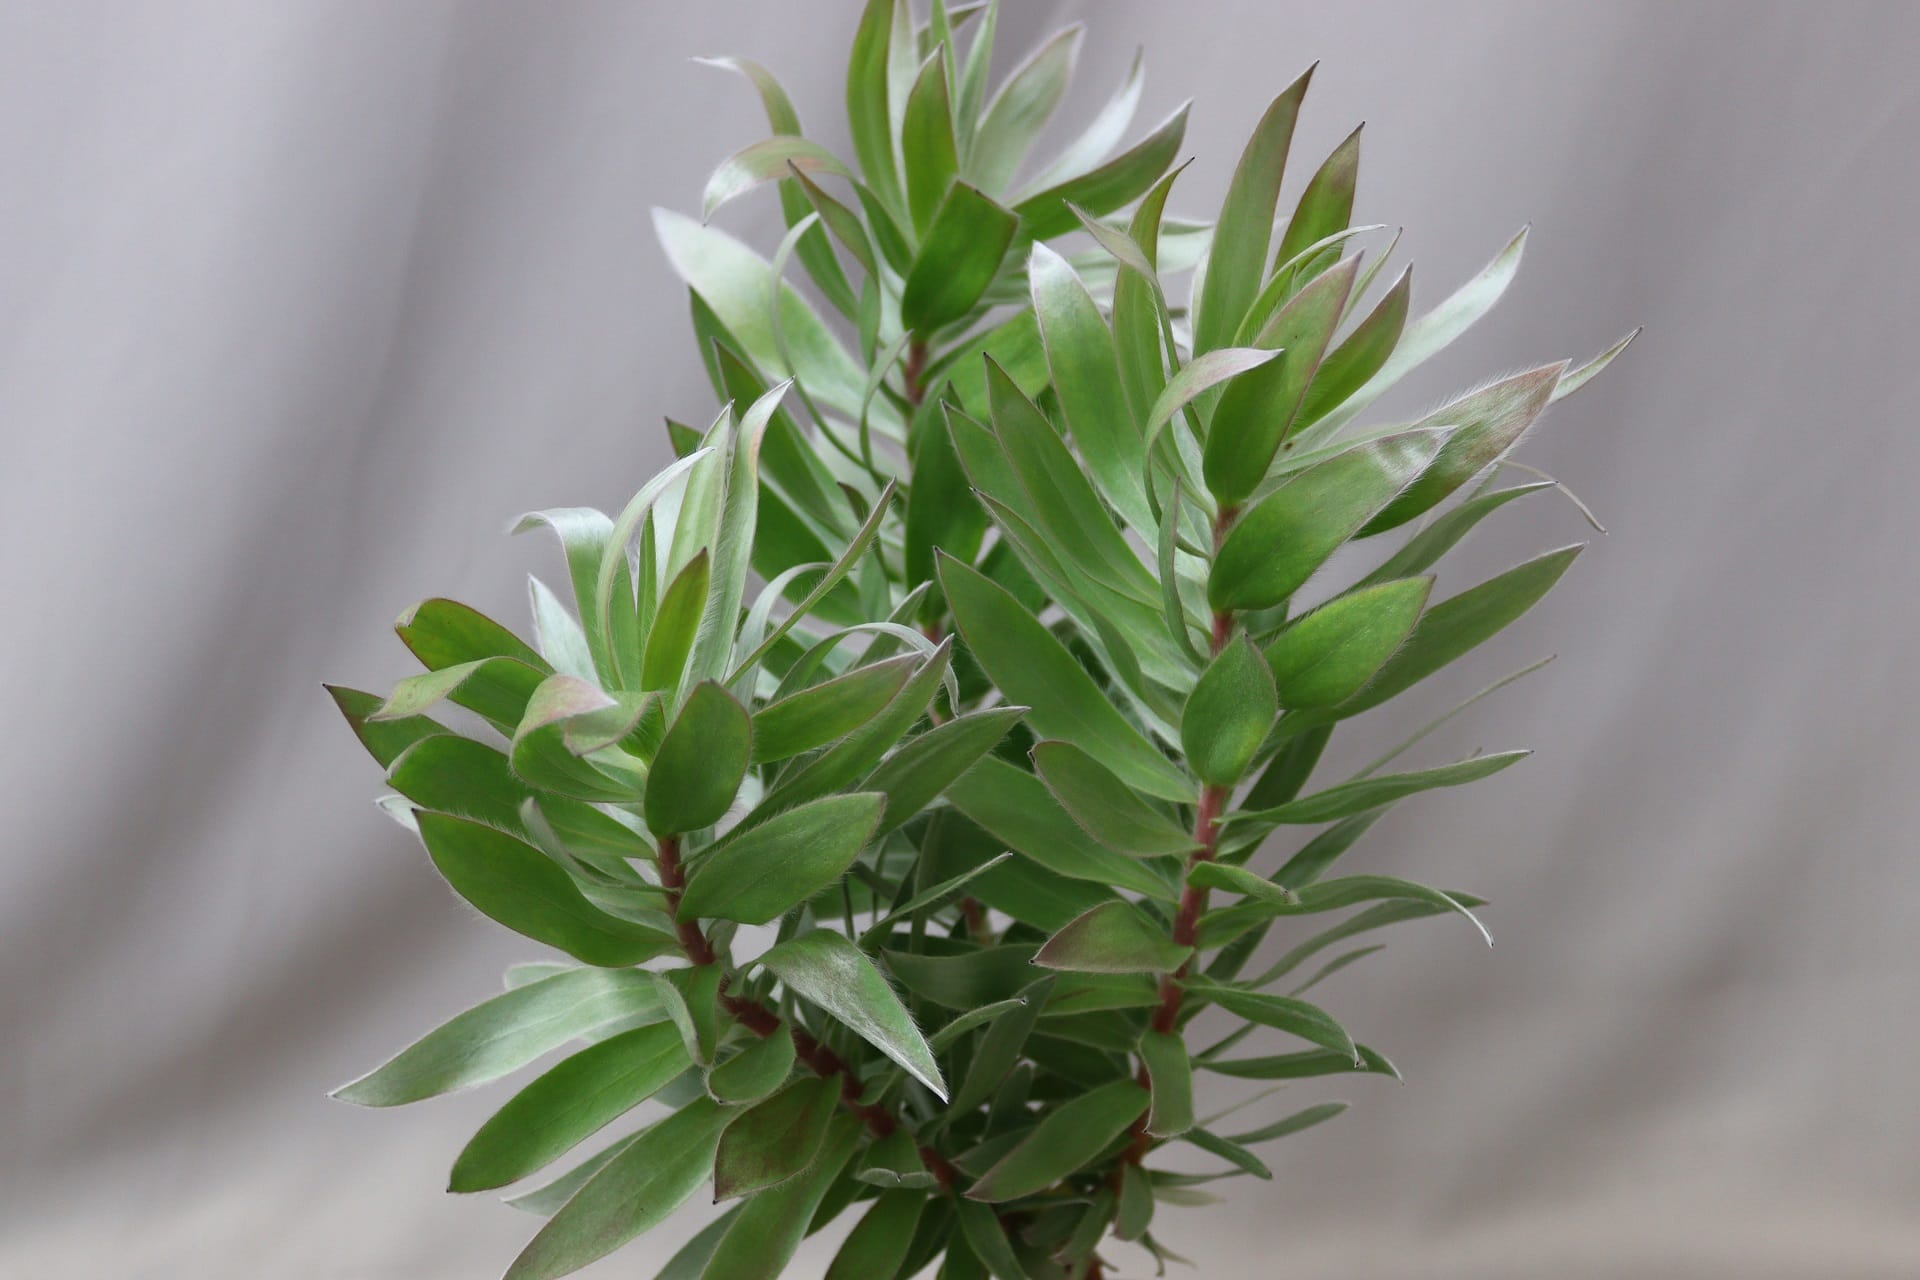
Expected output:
(303, 301)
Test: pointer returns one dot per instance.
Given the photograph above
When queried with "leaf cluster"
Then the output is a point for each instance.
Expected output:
(898, 771)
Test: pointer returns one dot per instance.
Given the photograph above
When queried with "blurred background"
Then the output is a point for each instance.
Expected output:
(301, 303)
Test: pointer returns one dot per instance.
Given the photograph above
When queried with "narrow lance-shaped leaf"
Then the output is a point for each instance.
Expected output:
(1031, 667)
(1020, 108)
(1349, 798)
(1326, 205)
(762, 1240)
(1328, 655)
(1276, 546)
(755, 875)
(567, 1104)
(1114, 938)
(675, 621)
(825, 969)
(764, 161)
(914, 776)
(958, 259)
(1064, 1140)
(1256, 411)
(633, 1193)
(1104, 806)
(1229, 713)
(754, 1072)
(775, 1139)
(505, 1033)
(927, 144)
(1327, 895)
(1171, 1074)
(523, 889)
(1237, 261)
(700, 764)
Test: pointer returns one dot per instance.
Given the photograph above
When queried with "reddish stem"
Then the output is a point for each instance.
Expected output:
(911, 370)
(763, 1022)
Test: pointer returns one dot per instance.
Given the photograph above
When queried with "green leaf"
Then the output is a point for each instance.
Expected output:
(1362, 794)
(1326, 205)
(1086, 378)
(1105, 131)
(1303, 1065)
(567, 1104)
(1487, 423)
(1031, 667)
(1065, 1139)
(981, 1228)
(765, 161)
(693, 1256)
(675, 621)
(856, 755)
(878, 1244)
(1135, 1209)
(445, 633)
(691, 998)
(828, 711)
(1256, 411)
(754, 1072)
(1228, 714)
(1320, 853)
(496, 689)
(584, 534)
(1327, 895)
(1112, 186)
(915, 775)
(774, 1140)
(999, 1049)
(1016, 808)
(1276, 546)
(1105, 807)
(1440, 535)
(1021, 108)
(827, 970)
(564, 707)
(384, 740)
(505, 1033)
(1360, 355)
(468, 779)
(1432, 333)
(737, 284)
(967, 979)
(1139, 307)
(1115, 937)
(927, 144)
(1199, 375)
(1237, 262)
(762, 1240)
(1283, 1013)
(1171, 1074)
(1327, 656)
(1386, 912)
(959, 257)
(700, 764)
(1231, 1152)
(754, 875)
(523, 889)
(631, 1194)
(1574, 379)
(868, 117)
(1459, 624)
(1299, 1120)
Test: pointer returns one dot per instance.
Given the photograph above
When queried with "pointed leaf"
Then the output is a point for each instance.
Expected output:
(1016, 808)
(1283, 1013)
(755, 1071)
(632, 1193)
(1066, 1139)
(774, 1140)
(567, 1104)
(1031, 667)
(675, 621)
(1326, 205)
(927, 144)
(1105, 807)
(384, 739)
(505, 1033)
(1228, 714)
(765, 161)
(1326, 895)
(958, 259)
(762, 1240)
(878, 1244)
(523, 889)
(828, 711)
(914, 776)
(1171, 1074)
(755, 875)
(825, 969)
(700, 764)
(1020, 108)
(1327, 656)
(1237, 262)
(1360, 355)
(1276, 546)
(1113, 938)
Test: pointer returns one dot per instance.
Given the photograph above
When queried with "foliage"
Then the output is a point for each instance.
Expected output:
(994, 749)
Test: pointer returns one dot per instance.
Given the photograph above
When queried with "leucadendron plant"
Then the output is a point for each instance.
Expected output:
(897, 880)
